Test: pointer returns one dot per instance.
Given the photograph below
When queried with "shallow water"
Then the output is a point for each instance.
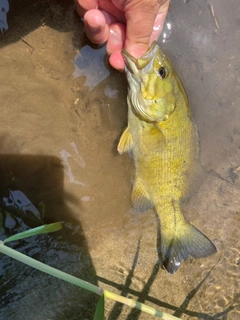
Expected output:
(63, 110)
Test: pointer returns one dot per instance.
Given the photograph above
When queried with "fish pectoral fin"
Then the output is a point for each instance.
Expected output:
(125, 143)
(139, 197)
(157, 131)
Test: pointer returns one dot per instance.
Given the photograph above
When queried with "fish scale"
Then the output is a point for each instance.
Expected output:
(162, 140)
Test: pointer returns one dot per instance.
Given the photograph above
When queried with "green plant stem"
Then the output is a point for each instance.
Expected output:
(83, 284)
(46, 228)
(50, 270)
(138, 305)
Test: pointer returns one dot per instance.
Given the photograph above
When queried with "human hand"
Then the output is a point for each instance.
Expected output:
(129, 24)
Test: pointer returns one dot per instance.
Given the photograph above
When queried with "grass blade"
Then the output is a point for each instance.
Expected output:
(49, 270)
(99, 313)
(38, 230)
(83, 284)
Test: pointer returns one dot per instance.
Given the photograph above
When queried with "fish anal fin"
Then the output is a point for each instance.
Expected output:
(139, 197)
(191, 242)
(125, 143)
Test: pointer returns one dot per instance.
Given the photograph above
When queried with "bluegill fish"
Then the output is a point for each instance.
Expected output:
(162, 140)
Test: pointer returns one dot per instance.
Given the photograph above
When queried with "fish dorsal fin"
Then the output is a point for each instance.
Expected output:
(125, 143)
(139, 197)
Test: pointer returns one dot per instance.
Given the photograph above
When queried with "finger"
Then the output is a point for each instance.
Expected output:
(109, 7)
(137, 41)
(116, 38)
(82, 6)
(116, 60)
(95, 26)
(159, 22)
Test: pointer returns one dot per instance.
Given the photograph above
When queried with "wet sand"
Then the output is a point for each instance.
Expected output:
(59, 134)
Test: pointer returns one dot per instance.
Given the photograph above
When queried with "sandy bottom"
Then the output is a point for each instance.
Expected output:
(60, 125)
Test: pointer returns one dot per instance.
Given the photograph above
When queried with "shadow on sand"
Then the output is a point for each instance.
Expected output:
(32, 185)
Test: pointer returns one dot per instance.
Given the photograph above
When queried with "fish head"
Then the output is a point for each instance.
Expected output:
(152, 83)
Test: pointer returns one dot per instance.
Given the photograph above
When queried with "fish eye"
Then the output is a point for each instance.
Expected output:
(162, 72)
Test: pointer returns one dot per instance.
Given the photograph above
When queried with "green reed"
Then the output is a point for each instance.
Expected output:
(99, 313)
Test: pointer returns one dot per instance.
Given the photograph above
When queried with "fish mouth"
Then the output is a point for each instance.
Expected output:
(133, 68)
(142, 100)
(134, 65)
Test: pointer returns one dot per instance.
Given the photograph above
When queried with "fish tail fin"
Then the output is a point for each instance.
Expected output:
(188, 240)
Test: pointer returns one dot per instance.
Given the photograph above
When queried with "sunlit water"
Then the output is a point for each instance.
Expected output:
(63, 110)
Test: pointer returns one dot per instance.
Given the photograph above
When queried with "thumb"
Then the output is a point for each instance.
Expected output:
(145, 20)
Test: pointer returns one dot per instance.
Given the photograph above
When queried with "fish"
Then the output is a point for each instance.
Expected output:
(162, 139)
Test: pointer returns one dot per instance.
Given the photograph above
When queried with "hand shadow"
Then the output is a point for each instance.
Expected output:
(26, 16)
(32, 187)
